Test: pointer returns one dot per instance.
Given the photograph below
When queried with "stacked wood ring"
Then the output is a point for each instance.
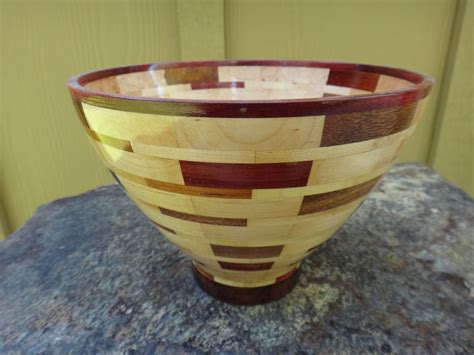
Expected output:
(248, 166)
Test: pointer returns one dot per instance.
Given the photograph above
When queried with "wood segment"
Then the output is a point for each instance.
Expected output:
(245, 267)
(246, 208)
(154, 168)
(190, 75)
(183, 189)
(131, 126)
(113, 142)
(247, 252)
(199, 155)
(109, 84)
(169, 230)
(161, 198)
(354, 79)
(328, 200)
(201, 190)
(251, 176)
(389, 83)
(361, 126)
(236, 222)
(217, 85)
(249, 135)
(244, 296)
(250, 235)
(329, 152)
(286, 74)
(352, 166)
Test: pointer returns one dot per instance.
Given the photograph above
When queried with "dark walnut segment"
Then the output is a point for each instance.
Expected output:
(361, 126)
(328, 200)
(237, 222)
(246, 176)
(245, 267)
(246, 252)
(217, 85)
(245, 295)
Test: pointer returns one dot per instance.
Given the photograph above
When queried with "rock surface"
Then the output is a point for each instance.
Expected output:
(90, 274)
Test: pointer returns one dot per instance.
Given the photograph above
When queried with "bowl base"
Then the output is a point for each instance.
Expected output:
(245, 295)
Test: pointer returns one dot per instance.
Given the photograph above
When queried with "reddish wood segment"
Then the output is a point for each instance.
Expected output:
(328, 200)
(245, 267)
(250, 176)
(244, 295)
(246, 252)
(361, 126)
(354, 79)
(185, 75)
(183, 189)
(237, 222)
(203, 273)
(217, 85)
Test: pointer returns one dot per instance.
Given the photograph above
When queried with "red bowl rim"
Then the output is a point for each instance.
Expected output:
(323, 105)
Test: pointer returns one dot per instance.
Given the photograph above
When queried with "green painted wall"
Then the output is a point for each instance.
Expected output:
(44, 153)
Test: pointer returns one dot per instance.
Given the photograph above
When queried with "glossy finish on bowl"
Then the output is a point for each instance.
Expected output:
(248, 166)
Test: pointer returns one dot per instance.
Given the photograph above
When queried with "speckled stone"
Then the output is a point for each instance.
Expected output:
(89, 274)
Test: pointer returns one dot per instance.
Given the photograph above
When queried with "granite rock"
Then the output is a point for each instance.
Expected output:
(89, 274)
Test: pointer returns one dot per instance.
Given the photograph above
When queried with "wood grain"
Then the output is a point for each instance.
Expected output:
(351, 167)
(357, 80)
(244, 252)
(130, 126)
(149, 167)
(244, 296)
(236, 222)
(190, 75)
(242, 176)
(169, 230)
(113, 142)
(217, 85)
(183, 189)
(244, 135)
(361, 126)
(325, 201)
(240, 208)
(161, 198)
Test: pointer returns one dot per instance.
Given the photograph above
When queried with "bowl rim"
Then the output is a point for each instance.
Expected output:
(332, 104)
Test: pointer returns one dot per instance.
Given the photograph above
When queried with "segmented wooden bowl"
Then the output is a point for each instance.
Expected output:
(248, 166)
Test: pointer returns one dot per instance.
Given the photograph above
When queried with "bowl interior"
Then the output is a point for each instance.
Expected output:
(249, 82)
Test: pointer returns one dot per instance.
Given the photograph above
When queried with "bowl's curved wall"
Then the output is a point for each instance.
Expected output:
(249, 198)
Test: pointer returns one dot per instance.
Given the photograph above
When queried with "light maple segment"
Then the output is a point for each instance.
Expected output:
(249, 166)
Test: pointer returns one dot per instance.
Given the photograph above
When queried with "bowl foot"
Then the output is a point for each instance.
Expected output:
(246, 295)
